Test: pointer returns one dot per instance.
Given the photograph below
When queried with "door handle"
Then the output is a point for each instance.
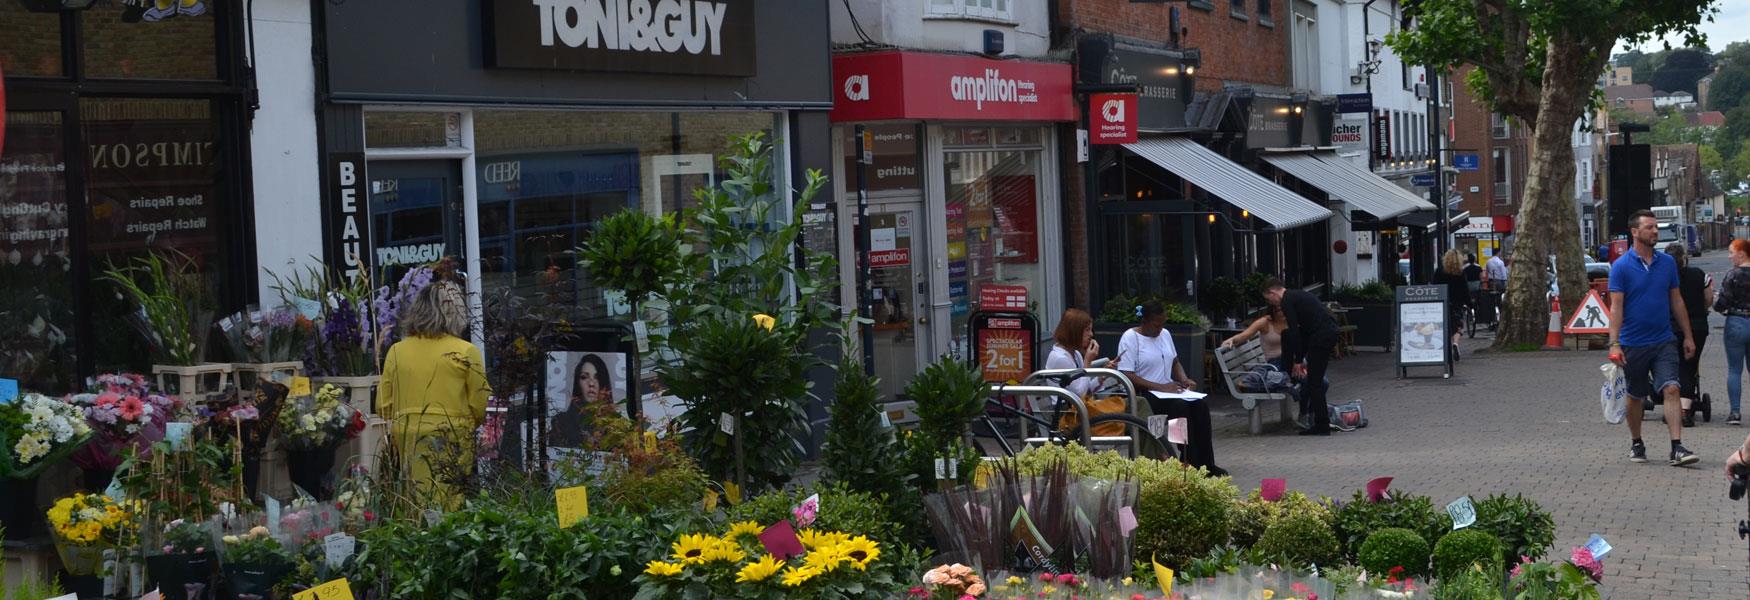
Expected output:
(923, 320)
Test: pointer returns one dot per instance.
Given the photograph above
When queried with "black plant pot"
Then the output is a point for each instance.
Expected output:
(95, 481)
(19, 512)
(251, 474)
(308, 469)
(184, 576)
(82, 586)
(253, 582)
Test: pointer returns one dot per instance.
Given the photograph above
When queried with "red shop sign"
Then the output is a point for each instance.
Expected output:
(1114, 118)
(897, 257)
(1002, 297)
(891, 85)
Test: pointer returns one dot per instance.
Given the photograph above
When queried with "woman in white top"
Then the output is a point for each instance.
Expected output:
(1152, 363)
(1076, 349)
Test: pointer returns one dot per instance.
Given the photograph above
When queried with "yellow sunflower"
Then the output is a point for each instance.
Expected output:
(861, 551)
(759, 570)
(724, 551)
(796, 576)
(662, 569)
(691, 548)
(826, 558)
(812, 539)
(750, 528)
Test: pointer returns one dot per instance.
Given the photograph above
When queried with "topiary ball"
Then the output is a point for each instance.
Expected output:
(1303, 540)
(1395, 547)
(1457, 551)
(1181, 519)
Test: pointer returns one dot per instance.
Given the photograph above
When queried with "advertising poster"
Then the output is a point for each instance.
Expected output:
(1423, 331)
(575, 380)
(1004, 354)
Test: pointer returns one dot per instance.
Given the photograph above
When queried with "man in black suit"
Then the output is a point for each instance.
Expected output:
(1312, 337)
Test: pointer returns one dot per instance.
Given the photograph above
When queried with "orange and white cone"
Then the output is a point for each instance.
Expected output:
(1553, 341)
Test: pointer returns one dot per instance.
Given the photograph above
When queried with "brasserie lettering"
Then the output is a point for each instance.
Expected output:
(149, 155)
(667, 26)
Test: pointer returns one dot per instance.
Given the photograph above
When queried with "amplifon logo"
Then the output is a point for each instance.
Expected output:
(664, 26)
(1113, 111)
(857, 88)
(993, 88)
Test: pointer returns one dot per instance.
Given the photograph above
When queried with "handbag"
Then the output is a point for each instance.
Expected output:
(1096, 407)
(1348, 415)
(1264, 378)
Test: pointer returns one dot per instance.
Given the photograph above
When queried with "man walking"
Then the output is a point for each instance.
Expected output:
(1310, 340)
(1497, 273)
(1645, 299)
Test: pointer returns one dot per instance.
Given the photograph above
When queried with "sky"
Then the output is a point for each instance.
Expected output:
(1731, 24)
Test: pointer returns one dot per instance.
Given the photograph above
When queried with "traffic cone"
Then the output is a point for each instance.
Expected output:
(1553, 341)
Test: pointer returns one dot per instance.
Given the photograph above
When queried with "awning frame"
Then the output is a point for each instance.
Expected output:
(1226, 180)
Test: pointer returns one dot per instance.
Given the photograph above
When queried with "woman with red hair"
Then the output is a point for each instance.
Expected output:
(1734, 301)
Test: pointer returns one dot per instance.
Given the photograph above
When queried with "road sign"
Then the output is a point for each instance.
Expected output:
(1592, 316)
(1422, 180)
(1466, 162)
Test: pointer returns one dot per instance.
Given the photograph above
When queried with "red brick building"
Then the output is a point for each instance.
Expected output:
(1504, 149)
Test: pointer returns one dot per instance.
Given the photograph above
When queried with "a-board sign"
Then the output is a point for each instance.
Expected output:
(587, 364)
(1591, 318)
(1002, 344)
(1422, 328)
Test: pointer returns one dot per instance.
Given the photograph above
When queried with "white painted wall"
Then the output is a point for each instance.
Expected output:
(904, 24)
(288, 213)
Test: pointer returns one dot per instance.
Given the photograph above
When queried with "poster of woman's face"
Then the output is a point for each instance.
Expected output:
(574, 381)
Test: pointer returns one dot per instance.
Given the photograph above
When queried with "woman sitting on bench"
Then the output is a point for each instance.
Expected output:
(1147, 356)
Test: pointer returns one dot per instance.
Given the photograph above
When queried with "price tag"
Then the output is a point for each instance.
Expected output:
(1463, 513)
(432, 517)
(300, 387)
(176, 434)
(114, 491)
(8, 390)
(726, 422)
(954, 469)
(941, 469)
(886, 421)
(1598, 547)
(336, 548)
(273, 514)
(310, 309)
(641, 333)
(338, 589)
(573, 505)
(227, 324)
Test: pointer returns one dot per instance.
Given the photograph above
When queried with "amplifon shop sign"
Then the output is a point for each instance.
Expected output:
(882, 86)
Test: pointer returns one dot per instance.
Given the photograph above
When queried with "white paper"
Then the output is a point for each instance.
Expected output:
(273, 514)
(726, 422)
(66, 597)
(1463, 513)
(1598, 547)
(941, 469)
(1177, 431)
(336, 548)
(1185, 395)
(883, 239)
(641, 332)
(954, 468)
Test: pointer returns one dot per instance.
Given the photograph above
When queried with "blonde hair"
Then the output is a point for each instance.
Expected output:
(438, 310)
(1452, 263)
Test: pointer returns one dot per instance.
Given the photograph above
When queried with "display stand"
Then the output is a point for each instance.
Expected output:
(1423, 331)
(359, 391)
(191, 383)
(249, 373)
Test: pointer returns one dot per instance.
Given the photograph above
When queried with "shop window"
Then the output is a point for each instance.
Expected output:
(36, 288)
(1497, 126)
(996, 10)
(143, 41)
(153, 173)
(1503, 168)
(413, 129)
(30, 42)
(1145, 253)
(897, 160)
(992, 227)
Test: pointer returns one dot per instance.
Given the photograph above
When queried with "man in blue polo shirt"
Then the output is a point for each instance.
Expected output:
(1644, 299)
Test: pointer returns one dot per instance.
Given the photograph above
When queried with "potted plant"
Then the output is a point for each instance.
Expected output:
(1226, 300)
(343, 347)
(176, 313)
(254, 563)
(248, 418)
(310, 428)
(183, 560)
(1370, 308)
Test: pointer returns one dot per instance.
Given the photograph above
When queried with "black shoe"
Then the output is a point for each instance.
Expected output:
(1682, 456)
(1734, 419)
(1215, 471)
(1689, 418)
(1315, 431)
(1637, 452)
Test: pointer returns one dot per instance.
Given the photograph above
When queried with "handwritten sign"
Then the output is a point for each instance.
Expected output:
(573, 504)
(1598, 547)
(336, 548)
(726, 422)
(338, 589)
(1463, 513)
(300, 387)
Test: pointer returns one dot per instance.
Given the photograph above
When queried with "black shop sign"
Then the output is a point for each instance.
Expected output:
(1163, 83)
(349, 221)
(689, 37)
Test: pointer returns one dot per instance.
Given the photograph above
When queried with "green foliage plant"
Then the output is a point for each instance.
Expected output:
(175, 306)
(634, 252)
(28, 588)
(841, 509)
(1474, 583)
(1359, 518)
(949, 395)
(1457, 551)
(862, 453)
(1303, 540)
(730, 375)
(1181, 518)
(1396, 547)
(1546, 581)
(1252, 515)
(1523, 526)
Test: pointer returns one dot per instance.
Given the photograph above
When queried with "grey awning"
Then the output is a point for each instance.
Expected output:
(1349, 183)
(1231, 182)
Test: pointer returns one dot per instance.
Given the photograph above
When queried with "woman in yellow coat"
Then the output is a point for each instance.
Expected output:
(433, 392)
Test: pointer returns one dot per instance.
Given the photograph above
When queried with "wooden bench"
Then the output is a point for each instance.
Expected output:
(1235, 363)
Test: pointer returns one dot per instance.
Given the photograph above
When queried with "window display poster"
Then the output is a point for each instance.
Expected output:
(574, 381)
(1003, 352)
(1423, 332)
(153, 165)
(1015, 201)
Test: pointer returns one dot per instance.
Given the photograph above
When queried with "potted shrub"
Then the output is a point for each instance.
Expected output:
(184, 561)
(1226, 300)
(254, 563)
(1370, 311)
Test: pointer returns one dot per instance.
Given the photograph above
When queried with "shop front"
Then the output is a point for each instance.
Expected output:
(126, 133)
(962, 187)
(503, 152)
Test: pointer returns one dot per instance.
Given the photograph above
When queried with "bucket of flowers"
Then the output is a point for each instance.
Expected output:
(85, 525)
(125, 412)
(254, 563)
(735, 565)
(37, 431)
(310, 428)
(183, 560)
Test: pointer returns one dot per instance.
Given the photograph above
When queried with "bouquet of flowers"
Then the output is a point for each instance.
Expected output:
(736, 566)
(37, 431)
(175, 305)
(277, 335)
(319, 421)
(955, 581)
(254, 563)
(188, 562)
(86, 524)
(125, 412)
(386, 303)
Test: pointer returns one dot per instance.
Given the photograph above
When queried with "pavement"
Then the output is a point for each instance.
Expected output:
(1529, 423)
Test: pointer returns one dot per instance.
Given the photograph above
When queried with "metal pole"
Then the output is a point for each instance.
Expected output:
(865, 279)
(1439, 191)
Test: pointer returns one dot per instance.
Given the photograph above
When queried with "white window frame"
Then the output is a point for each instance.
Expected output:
(1499, 128)
(998, 10)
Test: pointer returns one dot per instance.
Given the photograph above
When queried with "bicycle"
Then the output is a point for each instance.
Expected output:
(1136, 436)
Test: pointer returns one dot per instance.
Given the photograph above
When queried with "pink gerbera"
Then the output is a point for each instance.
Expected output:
(108, 399)
(132, 408)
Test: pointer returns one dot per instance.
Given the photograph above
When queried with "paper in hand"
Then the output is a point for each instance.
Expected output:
(1186, 395)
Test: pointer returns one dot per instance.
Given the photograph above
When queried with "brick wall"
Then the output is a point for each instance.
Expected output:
(1234, 50)
(1475, 134)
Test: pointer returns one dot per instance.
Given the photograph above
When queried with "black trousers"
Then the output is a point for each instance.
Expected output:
(1689, 374)
(1200, 441)
(1313, 388)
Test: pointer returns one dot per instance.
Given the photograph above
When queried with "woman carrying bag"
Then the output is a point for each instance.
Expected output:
(1075, 348)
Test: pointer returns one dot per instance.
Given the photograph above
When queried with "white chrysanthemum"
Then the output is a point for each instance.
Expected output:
(30, 447)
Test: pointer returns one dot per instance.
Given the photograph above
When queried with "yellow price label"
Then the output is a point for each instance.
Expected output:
(338, 589)
(573, 505)
(300, 387)
(1163, 576)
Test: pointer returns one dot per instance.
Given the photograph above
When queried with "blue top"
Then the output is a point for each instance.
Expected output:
(1646, 290)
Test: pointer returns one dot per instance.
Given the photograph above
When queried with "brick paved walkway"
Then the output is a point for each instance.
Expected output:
(1529, 423)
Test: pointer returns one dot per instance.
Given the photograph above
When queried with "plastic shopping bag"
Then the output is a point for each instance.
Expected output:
(1613, 396)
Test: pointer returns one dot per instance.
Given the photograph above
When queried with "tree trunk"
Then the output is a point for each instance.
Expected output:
(1547, 223)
